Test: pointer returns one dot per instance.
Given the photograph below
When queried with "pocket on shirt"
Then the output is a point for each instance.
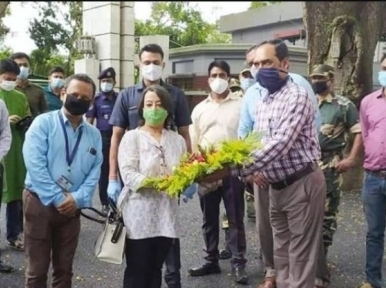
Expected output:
(87, 163)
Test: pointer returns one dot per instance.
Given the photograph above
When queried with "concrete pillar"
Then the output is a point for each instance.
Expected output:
(88, 66)
(163, 41)
(127, 45)
(112, 26)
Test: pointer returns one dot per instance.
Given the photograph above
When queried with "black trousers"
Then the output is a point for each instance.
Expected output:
(144, 259)
(173, 265)
(104, 178)
(232, 193)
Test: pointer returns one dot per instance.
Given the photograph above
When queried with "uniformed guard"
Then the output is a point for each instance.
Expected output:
(234, 86)
(246, 79)
(340, 118)
(101, 111)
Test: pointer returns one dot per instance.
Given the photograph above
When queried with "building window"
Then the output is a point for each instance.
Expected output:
(184, 83)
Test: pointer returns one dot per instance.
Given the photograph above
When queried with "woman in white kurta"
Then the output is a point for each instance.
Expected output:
(151, 217)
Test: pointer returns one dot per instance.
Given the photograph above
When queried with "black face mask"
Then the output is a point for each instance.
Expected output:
(76, 106)
(319, 86)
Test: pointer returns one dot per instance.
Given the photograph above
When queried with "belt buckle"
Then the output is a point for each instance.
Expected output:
(285, 183)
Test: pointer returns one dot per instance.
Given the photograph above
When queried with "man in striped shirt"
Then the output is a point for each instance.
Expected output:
(285, 117)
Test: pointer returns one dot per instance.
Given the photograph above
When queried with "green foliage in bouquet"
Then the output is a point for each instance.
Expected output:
(195, 166)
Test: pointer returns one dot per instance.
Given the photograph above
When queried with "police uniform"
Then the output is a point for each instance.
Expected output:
(339, 118)
(101, 110)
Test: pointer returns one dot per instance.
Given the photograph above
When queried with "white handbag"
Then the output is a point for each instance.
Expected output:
(110, 245)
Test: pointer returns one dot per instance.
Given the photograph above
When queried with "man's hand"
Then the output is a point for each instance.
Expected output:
(14, 119)
(345, 165)
(260, 180)
(68, 207)
(215, 176)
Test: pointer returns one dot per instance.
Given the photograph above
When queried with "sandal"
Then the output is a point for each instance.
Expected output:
(17, 244)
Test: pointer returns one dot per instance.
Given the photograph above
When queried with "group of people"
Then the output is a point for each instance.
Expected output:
(144, 131)
(23, 101)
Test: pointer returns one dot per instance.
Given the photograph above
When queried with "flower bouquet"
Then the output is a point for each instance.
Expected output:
(195, 166)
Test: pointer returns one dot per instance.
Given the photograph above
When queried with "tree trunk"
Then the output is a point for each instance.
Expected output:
(3, 7)
(344, 35)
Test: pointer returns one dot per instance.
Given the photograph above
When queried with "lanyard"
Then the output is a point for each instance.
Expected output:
(70, 157)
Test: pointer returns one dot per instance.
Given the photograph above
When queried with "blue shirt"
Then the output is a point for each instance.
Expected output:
(53, 100)
(102, 109)
(256, 92)
(125, 113)
(44, 152)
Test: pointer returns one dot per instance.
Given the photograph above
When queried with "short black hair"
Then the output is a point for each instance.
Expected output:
(80, 77)
(20, 55)
(220, 64)
(56, 69)
(9, 66)
(152, 48)
(383, 57)
(166, 102)
(280, 48)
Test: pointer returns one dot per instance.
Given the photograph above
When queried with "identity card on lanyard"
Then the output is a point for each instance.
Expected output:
(63, 181)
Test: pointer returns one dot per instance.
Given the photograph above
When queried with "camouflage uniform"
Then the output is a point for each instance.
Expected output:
(339, 117)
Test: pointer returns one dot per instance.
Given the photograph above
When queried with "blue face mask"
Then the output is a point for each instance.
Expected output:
(24, 72)
(270, 79)
(246, 83)
(382, 78)
(57, 83)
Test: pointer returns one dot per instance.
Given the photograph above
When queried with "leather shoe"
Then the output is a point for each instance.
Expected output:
(5, 268)
(269, 282)
(206, 269)
(240, 276)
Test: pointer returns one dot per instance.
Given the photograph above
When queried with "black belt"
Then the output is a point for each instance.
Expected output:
(294, 177)
(380, 173)
(332, 153)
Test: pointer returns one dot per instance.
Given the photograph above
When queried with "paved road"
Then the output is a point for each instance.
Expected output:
(346, 256)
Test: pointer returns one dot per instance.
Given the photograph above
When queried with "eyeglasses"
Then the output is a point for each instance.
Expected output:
(162, 160)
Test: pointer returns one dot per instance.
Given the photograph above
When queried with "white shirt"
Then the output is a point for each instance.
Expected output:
(148, 213)
(214, 122)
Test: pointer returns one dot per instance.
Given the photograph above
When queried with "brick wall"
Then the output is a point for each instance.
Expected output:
(200, 83)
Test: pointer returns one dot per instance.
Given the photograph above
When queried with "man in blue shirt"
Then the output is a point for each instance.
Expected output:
(247, 120)
(100, 111)
(55, 85)
(63, 155)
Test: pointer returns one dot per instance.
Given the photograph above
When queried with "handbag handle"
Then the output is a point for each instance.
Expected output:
(94, 219)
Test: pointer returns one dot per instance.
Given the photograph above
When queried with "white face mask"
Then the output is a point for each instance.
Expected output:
(219, 85)
(24, 72)
(7, 85)
(106, 87)
(253, 70)
(152, 72)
